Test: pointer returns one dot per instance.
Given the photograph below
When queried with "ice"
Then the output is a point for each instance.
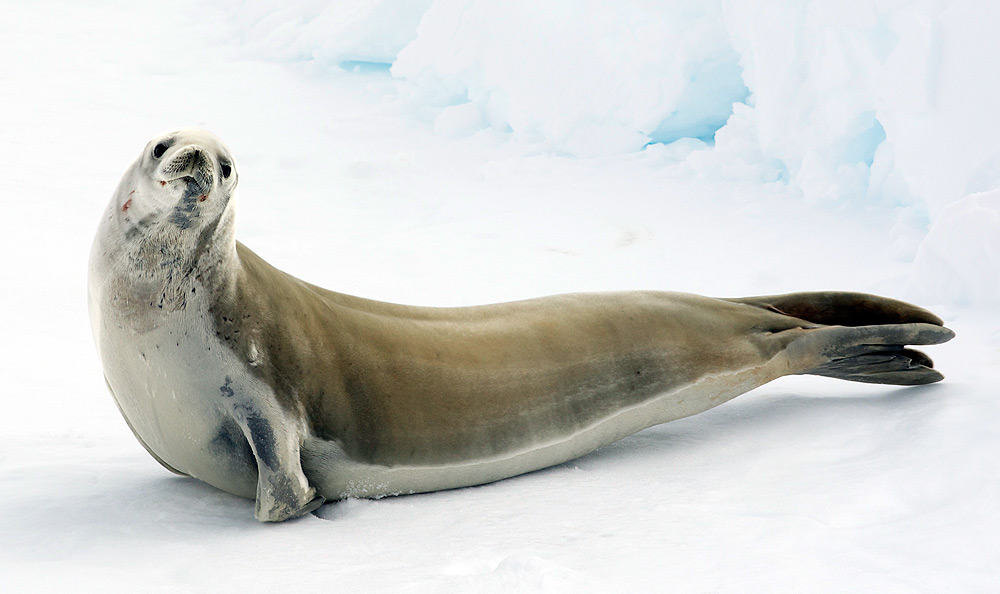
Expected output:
(351, 34)
(959, 261)
(857, 103)
(452, 153)
(812, 69)
(456, 121)
(879, 103)
(594, 79)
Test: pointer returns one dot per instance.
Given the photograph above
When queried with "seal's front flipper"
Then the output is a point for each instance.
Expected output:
(283, 491)
(871, 354)
(313, 505)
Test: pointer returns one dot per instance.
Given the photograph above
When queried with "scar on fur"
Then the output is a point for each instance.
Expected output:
(163, 183)
(202, 197)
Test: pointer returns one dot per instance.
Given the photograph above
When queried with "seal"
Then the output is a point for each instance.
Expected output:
(235, 373)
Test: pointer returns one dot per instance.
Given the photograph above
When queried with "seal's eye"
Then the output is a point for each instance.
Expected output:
(159, 149)
(226, 170)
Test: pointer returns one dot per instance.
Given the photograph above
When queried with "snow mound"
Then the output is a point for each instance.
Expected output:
(850, 100)
(812, 69)
(351, 34)
(593, 79)
(852, 103)
(959, 261)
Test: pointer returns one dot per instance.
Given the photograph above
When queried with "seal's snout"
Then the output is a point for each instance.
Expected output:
(194, 165)
(192, 169)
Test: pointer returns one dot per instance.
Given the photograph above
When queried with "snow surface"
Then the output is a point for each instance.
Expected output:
(450, 153)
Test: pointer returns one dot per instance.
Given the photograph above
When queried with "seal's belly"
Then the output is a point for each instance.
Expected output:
(337, 476)
(167, 384)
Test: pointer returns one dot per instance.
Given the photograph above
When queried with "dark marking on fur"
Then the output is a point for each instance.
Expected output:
(187, 209)
(263, 440)
(230, 442)
(226, 388)
(259, 428)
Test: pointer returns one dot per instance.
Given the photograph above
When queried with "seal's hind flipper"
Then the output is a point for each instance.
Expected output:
(836, 308)
(860, 337)
(871, 354)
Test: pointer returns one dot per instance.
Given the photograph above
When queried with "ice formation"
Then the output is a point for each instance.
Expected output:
(880, 103)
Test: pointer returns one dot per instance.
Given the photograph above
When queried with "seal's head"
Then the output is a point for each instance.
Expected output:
(172, 213)
(182, 182)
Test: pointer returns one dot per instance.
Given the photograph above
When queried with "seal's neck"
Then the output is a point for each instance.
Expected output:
(160, 267)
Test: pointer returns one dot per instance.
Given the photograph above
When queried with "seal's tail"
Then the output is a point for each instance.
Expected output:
(874, 354)
(859, 337)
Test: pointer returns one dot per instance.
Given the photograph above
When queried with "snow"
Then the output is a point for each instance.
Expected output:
(663, 72)
(451, 153)
(958, 261)
(346, 34)
(850, 103)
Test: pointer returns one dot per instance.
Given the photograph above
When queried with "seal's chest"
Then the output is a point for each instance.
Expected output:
(170, 383)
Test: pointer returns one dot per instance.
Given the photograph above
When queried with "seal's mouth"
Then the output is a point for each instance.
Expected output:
(199, 185)
(191, 172)
(191, 169)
